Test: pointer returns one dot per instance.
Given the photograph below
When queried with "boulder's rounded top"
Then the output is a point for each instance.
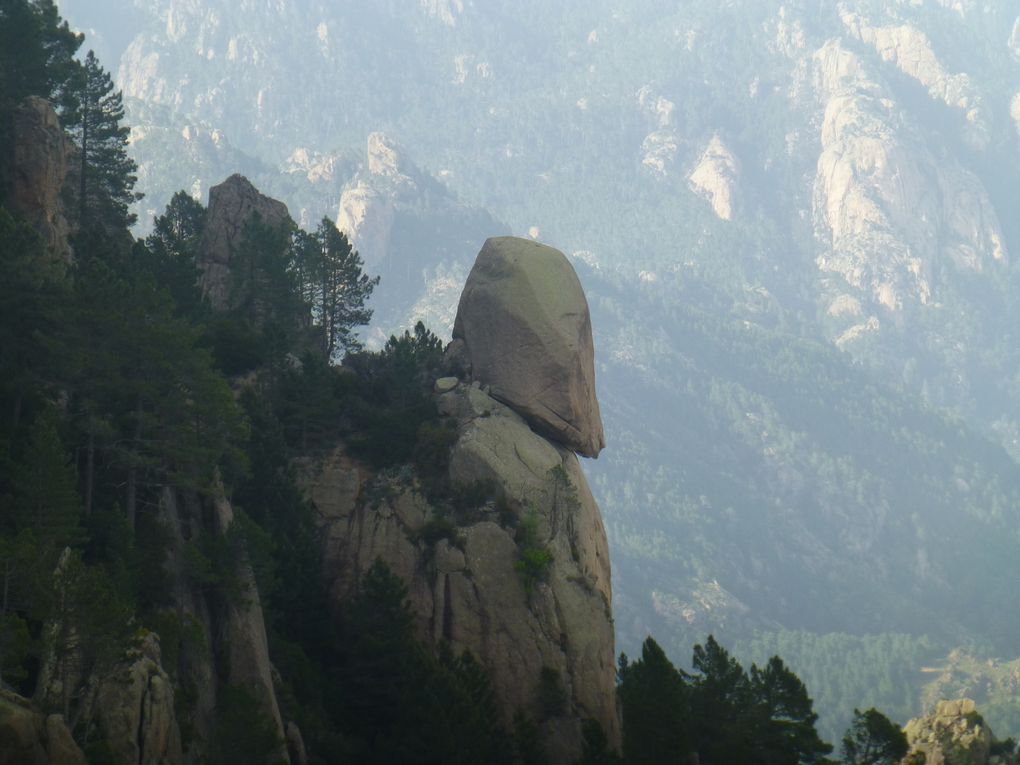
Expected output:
(526, 328)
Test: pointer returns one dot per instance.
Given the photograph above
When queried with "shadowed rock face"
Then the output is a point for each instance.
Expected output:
(526, 329)
(136, 712)
(41, 160)
(29, 737)
(231, 205)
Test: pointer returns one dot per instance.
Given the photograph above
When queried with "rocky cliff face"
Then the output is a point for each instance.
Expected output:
(41, 161)
(232, 204)
(231, 647)
(553, 623)
(411, 231)
(891, 212)
(367, 204)
(716, 176)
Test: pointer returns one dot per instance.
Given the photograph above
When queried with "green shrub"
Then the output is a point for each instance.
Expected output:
(243, 734)
(535, 558)
(436, 529)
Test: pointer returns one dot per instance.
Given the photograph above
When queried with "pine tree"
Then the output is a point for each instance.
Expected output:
(655, 700)
(33, 292)
(873, 739)
(171, 251)
(343, 289)
(723, 728)
(263, 283)
(142, 379)
(786, 733)
(106, 174)
(45, 489)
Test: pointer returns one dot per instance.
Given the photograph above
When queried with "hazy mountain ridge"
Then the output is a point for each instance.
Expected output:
(874, 175)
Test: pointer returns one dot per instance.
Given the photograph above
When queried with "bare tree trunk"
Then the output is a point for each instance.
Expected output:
(16, 415)
(82, 188)
(132, 480)
(90, 469)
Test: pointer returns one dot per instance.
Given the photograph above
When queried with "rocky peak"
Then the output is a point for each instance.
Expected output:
(526, 330)
(523, 329)
(383, 156)
(41, 160)
(231, 205)
(910, 50)
(715, 178)
(446, 11)
(953, 734)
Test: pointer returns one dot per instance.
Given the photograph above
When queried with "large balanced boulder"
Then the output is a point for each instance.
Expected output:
(524, 322)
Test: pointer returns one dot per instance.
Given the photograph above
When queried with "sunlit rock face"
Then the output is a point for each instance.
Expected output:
(952, 734)
(910, 50)
(886, 208)
(716, 177)
(526, 328)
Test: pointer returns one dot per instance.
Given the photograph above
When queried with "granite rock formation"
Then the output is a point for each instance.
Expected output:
(41, 159)
(953, 734)
(29, 737)
(232, 204)
(135, 711)
(471, 590)
(526, 330)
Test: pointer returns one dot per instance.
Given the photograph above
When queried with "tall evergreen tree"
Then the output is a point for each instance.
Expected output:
(786, 731)
(171, 249)
(263, 283)
(106, 174)
(655, 700)
(33, 293)
(873, 739)
(343, 289)
(141, 376)
(45, 489)
(721, 695)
